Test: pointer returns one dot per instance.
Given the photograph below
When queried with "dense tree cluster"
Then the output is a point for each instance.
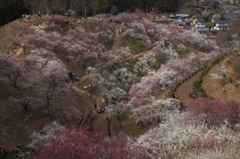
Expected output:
(13, 9)
(128, 80)
(38, 82)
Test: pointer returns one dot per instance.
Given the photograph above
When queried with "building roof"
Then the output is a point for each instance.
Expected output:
(230, 15)
(201, 30)
(182, 15)
(223, 22)
(201, 20)
(172, 15)
(236, 11)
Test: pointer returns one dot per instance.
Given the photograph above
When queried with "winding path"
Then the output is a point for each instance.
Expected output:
(116, 39)
(182, 93)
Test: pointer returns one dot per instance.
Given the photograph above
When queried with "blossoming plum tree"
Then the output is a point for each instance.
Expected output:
(56, 141)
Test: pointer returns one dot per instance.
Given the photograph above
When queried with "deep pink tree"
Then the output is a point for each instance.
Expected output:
(214, 111)
(57, 19)
(62, 143)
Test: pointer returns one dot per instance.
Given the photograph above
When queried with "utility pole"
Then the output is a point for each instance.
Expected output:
(90, 87)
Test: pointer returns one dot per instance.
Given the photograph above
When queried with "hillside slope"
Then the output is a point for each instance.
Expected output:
(9, 34)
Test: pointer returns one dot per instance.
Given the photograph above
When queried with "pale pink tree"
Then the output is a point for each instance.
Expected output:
(167, 78)
(125, 77)
(51, 83)
(144, 115)
(155, 110)
(24, 98)
(119, 111)
(127, 17)
(13, 68)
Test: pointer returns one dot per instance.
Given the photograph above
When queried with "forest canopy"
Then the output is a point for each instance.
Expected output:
(13, 9)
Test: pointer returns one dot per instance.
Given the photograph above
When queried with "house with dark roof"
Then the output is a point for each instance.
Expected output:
(230, 15)
(223, 25)
(217, 1)
(198, 22)
(180, 23)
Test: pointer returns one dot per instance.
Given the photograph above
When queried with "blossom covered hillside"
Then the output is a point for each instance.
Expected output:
(125, 65)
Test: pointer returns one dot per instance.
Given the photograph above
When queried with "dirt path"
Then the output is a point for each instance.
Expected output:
(116, 39)
(183, 91)
(19, 51)
(100, 119)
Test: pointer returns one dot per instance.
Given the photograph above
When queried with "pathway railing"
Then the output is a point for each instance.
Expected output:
(204, 67)
(233, 82)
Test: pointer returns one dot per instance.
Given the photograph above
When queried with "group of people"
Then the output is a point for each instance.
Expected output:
(100, 109)
(29, 16)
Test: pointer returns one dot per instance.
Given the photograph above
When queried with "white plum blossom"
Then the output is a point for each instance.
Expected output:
(175, 137)
(45, 135)
(145, 63)
(156, 110)
(139, 27)
(220, 73)
(116, 93)
(125, 53)
(170, 52)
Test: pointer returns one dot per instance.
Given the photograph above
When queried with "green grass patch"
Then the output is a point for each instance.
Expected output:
(107, 42)
(198, 90)
(133, 45)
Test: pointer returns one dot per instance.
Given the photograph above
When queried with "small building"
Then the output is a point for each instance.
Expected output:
(198, 22)
(172, 16)
(217, 1)
(181, 15)
(230, 15)
(223, 25)
(180, 23)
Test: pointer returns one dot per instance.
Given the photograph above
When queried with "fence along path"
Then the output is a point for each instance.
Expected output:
(181, 89)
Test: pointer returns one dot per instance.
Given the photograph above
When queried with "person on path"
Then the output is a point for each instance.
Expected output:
(95, 106)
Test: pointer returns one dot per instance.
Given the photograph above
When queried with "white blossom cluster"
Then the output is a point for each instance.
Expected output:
(175, 138)
(144, 64)
(156, 110)
(45, 135)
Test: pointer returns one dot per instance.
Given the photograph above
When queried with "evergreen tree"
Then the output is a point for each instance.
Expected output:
(11, 10)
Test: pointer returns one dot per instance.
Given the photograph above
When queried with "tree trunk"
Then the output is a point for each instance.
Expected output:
(14, 85)
(119, 122)
(26, 107)
(109, 129)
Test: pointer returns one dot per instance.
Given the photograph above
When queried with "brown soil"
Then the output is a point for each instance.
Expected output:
(10, 34)
(184, 90)
(214, 87)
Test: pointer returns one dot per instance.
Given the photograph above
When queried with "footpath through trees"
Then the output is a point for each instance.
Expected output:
(183, 88)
